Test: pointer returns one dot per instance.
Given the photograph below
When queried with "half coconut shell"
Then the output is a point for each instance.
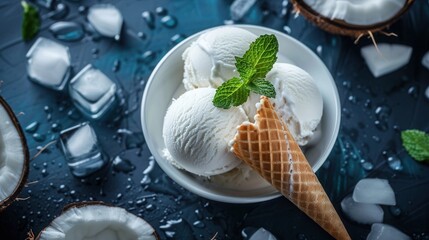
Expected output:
(97, 220)
(341, 27)
(14, 156)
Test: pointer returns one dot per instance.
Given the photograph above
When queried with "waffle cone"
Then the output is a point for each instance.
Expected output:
(269, 148)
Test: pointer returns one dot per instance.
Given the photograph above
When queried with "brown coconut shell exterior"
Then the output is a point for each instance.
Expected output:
(342, 28)
(24, 176)
(84, 204)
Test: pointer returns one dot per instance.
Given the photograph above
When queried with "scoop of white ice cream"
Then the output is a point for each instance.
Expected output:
(210, 60)
(298, 101)
(196, 133)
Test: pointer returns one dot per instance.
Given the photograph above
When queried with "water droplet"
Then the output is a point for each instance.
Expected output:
(61, 10)
(32, 127)
(368, 103)
(347, 84)
(44, 172)
(395, 211)
(413, 91)
(367, 166)
(150, 166)
(198, 214)
(56, 127)
(39, 137)
(319, 50)
(287, 29)
(134, 140)
(161, 11)
(149, 18)
(119, 196)
(116, 65)
(147, 57)
(352, 99)
(122, 165)
(82, 9)
(343, 171)
(150, 207)
(47, 109)
(394, 163)
(63, 188)
(170, 234)
(169, 21)
(346, 113)
(382, 113)
(74, 114)
(145, 180)
(73, 193)
(141, 35)
(67, 31)
(381, 125)
(179, 37)
(198, 224)
(376, 138)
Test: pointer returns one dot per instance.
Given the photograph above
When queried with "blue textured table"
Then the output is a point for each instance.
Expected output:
(51, 185)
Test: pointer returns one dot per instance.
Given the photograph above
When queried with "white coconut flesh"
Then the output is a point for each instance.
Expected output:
(12, 157)
(98, 222)
(357, 12)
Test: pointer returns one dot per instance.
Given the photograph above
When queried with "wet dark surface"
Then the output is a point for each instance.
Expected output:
(374, 111)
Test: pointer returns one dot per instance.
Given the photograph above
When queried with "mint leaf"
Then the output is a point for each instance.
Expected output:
(231, 93)
(244, 68)
(252, 67)
(416, 143)
(261, 56)
(262, 87)
(31, 21)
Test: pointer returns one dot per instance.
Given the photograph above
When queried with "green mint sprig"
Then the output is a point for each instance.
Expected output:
(416, 143)
(30, 22)
(253, 66)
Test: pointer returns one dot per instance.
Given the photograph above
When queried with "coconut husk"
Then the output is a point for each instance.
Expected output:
(79, 205)
(24, 175)
(340, 27)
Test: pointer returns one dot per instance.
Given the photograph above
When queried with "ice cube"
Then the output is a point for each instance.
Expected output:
(262, 234)
(82, 141)
(374, 190)
(381, 231)
(425, 60)
(81, 150)
(106, 19)
(365, 213)
(387, 58)
(48, 63)
(239, 8)
(92, 92)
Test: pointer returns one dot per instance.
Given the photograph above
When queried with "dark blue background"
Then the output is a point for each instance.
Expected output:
(51, 186)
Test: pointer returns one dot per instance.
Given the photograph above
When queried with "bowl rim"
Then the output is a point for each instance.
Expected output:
(236, 199)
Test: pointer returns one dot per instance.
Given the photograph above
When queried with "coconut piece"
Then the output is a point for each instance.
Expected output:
(354, 18)
(14, 156)
(385, 58)
(97, 221)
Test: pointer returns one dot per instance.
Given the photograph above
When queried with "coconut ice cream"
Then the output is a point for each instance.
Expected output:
(210, 60)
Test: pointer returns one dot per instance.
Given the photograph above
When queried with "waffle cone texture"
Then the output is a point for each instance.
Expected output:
(269, 148)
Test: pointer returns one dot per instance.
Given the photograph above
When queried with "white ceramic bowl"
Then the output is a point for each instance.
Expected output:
(165, 83)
